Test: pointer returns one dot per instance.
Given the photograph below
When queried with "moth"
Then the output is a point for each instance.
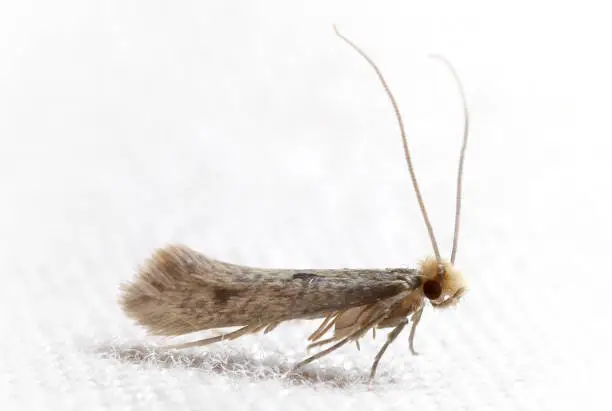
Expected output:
(180, 291)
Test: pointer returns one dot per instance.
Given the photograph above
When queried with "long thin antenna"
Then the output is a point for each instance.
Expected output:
(466, 125)
(404, 141)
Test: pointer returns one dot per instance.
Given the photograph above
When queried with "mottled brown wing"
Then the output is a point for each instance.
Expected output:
(179, 291)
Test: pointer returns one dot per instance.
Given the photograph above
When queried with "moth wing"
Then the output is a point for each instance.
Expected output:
(179, 291)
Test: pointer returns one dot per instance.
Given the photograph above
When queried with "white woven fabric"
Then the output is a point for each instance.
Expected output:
(256, 136)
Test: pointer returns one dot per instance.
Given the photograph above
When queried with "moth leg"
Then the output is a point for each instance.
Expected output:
(229, 336)
(321, 353)
(373, 319)
(328, 323)
(354, 335)
(271, 327)
(416, 318)
(390, 338)
(322, 342)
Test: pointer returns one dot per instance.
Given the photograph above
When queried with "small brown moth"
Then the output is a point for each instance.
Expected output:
(179, 290)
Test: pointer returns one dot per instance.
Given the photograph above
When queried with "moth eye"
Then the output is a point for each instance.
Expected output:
(432, 289)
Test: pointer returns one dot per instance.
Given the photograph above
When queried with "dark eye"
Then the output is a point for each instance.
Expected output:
(432, 289)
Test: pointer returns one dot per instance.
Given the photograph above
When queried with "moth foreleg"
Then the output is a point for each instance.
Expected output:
(416, 318)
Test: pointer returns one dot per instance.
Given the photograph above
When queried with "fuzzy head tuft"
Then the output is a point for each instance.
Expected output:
(442, 284)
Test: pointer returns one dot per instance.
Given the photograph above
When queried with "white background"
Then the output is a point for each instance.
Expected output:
(253, 134)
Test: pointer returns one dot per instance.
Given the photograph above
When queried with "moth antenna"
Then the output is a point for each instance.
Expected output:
(404, 140)
(466, 125)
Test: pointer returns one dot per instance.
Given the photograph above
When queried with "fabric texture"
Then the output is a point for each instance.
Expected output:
(254, 135)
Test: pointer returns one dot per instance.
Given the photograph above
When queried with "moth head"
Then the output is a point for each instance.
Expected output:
(441, 283)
